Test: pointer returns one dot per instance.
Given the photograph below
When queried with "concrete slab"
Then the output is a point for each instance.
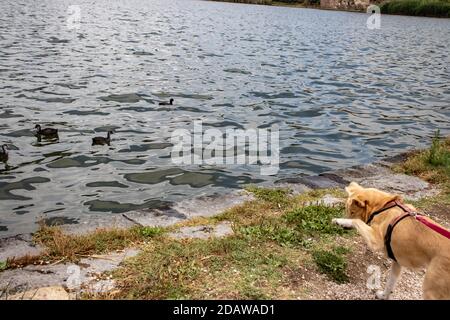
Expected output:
(212, 205)
(18, 246)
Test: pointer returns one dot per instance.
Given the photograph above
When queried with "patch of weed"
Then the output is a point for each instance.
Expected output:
(278, 197)
(150, 232)
(315, 219)
(332, 264)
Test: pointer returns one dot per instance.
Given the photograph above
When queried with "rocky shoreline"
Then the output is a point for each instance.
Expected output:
(90, 268)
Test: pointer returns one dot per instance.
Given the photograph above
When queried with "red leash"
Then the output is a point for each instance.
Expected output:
(423, 220)
(434, 227)
(408, 213)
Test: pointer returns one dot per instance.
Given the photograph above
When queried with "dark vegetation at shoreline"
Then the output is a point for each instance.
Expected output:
(432, 165)
(425, 8)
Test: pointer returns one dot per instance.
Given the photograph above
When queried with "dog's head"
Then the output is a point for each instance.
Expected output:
(362, 202)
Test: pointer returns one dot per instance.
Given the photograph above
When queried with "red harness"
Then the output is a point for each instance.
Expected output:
(408, 213)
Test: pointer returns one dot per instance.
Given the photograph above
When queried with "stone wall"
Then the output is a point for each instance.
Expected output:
(345, 4)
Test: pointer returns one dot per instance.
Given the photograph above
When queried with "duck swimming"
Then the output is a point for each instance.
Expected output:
(46, 132)
(102, 140)
(164, 103)
(4, 154)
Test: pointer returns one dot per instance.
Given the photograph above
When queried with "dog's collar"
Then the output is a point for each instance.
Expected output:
(387, 206)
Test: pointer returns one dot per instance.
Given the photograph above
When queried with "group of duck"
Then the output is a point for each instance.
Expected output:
(52, 133)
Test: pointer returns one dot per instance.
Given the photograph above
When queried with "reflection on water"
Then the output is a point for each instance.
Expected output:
(341, 94)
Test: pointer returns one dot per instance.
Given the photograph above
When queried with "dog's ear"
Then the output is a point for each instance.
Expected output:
(358, 202)
(352, 187)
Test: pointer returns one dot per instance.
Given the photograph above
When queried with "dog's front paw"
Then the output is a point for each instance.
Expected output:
(345, 223)
(381, 295)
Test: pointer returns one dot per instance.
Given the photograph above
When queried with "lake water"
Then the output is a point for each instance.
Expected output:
(341, 94)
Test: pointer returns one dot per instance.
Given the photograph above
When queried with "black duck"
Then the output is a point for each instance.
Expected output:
(165, 103)
(102, 140)
(4, 154)
(46, 132)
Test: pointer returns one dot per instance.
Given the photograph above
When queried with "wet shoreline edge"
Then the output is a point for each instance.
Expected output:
(207, 206)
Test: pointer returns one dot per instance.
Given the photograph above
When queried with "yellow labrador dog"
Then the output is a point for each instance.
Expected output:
(389, 226)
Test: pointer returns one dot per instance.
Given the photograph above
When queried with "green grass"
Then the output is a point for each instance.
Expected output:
(150, 232)
(431, 8)
(275, 236)
(332, 263)
(284, 199)
(296, 226)
(61, 246)
(439, 154)
(315, 219)
(183, 270)
(279, 238)
(427, 203)
(251, 264)
(432, 165)
(341, 250)
(273, 232)
(279, 197)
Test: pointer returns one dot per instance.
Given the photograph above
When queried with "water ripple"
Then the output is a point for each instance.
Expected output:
(340, 94)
